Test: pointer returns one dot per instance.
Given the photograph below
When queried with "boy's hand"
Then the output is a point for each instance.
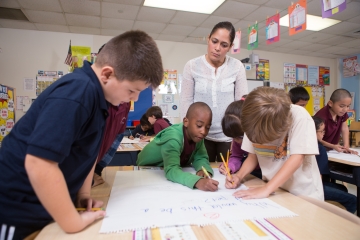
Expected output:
(339, 148)
(251, 193)
(207, 184)
(201, 173)
(232, 181)
(348, 150)
(88, 203)
(222, 169)
(131, 137)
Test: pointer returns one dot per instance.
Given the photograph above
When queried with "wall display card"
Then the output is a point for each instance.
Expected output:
(263, 69)
(236, 44)
(79, 54)
(29, 84)
(324, 75)
(289, 73)
(42, 82)
(7, 110)
(146, 199)
(169, 109)
(253, 37)
(351, 67)
(301, 74)
(313, 75)
(297, 17)
(273, 29)
(331, 7)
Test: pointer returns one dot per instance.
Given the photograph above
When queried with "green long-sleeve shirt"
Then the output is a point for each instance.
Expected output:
(165, 150)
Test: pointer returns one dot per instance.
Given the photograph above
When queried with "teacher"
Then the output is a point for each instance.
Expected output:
(217, 80)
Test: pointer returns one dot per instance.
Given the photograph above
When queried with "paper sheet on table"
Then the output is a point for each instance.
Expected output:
(127, 140)
(144, 199)
(345, 156)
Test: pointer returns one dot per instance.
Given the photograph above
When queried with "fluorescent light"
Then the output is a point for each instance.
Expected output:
(313, 23)
(198, 6)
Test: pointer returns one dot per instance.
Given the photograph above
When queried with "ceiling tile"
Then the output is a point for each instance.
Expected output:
(9, 4)
(354, 19)
(349, 51)
(195, 40)
(281, 42)
(173, 38)
(352, 10)
(201, 32)
(84, 30)
(296, 36)
(314, 8)
(337, 40)
(265, 47)
(279, 4)
(155, 14)
(82, 20)
(300, 52)
(296, 44)
(316, 37)
(341, 27)
(354, 43)
(282, 50)
(257, 2)
(113, 10)
(332, 56)
(235, 10)
(173, 29)
(153, 35)
(111, 32)
(332, 49)
(260, 14)
(130, 2)
(114, 23)
(41, 5)
(188, 18)
(7, 23)
(51, 27)
(45, 17)
(314, 46)
(211, 21)
(79, 7)
(149, 26)
(315, 54)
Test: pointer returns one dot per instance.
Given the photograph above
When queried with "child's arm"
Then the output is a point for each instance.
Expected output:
(49, 185)
(336, 147)
(345, 136)
(235, 159)
(285, 172)
(249, 165)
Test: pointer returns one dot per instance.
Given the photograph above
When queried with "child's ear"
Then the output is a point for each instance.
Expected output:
(330, 103)
(186, 122)
(106, 72)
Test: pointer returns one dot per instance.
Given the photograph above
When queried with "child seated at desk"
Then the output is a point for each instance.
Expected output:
(299, 96)
(332, 191)
(335, 115)
(182, 145)
(143, 129)
(281, 138)
(155, 117)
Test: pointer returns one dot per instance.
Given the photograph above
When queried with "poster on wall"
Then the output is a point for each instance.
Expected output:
(253, 37)
(289, 73)
(263, 69)
(169, 82)
(235, 49)
(273, 29)
(331, 7)
(324, 76)
(313, 75)
(79, 54)
(351, 67)
(301, 74)
(297, 17)
(7, 105)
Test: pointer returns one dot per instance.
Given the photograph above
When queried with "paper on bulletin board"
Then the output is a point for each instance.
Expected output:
(79, 54)
(289, 73)
(301, 74)
(29, 84)
(7, 111)
(169, 109)
(324, 76)
(297, 17)
(313, 75)
(263, 69)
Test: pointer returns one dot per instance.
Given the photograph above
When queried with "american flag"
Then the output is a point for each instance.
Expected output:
(68, 60)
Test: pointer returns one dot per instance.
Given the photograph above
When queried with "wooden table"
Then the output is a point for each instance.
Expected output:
(125, 156)
(355, 179)
(312, 223)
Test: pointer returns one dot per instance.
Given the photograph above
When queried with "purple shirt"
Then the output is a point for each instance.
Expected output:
(160, 124)
(332, 128)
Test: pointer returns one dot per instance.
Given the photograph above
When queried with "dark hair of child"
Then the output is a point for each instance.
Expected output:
(318, 121)
(298, 93)
(154, 111)
(144, 121)
(340, 94)
(231, 124)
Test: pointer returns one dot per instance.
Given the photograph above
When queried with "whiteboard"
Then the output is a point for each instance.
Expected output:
(252, 84)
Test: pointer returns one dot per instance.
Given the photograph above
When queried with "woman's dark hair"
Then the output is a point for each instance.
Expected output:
(228, 26)
(318, 121)
(231, 124)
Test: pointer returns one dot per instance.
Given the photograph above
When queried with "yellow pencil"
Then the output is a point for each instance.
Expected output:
(206, 172)
(92, 209)
(227, 169)
(227, 159)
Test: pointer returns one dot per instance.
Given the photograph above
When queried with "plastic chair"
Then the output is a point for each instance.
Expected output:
(331, 208)
(354, 126)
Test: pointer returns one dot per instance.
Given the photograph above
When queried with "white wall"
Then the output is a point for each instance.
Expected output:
(24, 52)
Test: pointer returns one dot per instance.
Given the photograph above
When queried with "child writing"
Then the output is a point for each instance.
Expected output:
(231, 127)
(335, 115)
(281, 138)
(155, 117)
(299, 96)
(182, 145)
(48, 159)
(143, 129)
(332, 191)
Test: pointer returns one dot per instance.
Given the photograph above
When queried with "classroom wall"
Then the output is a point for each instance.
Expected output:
(24, 52)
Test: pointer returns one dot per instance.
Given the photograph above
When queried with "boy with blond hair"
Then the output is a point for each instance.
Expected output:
(281, 138)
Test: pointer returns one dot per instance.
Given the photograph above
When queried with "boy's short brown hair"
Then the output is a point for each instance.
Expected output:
(134, 56)
(154, 111)
(266, 114)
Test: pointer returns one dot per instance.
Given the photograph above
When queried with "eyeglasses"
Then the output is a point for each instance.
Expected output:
(323, 131)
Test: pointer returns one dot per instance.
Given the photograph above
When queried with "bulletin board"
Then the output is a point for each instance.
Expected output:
(317, 97)
(7, 105)
(143, 103)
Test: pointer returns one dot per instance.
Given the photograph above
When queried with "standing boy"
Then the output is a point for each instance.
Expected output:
(281, 138)
(182, 145)
(48, 159)
(299, 96)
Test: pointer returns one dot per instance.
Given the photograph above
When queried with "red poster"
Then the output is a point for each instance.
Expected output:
(297, 17)
(273, 29)
(324, 76)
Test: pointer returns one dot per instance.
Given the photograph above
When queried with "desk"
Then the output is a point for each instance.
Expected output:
(312, 223)
(125, 156)
(355, 179)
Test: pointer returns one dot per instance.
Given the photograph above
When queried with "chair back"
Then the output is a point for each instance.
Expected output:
(354, 125)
